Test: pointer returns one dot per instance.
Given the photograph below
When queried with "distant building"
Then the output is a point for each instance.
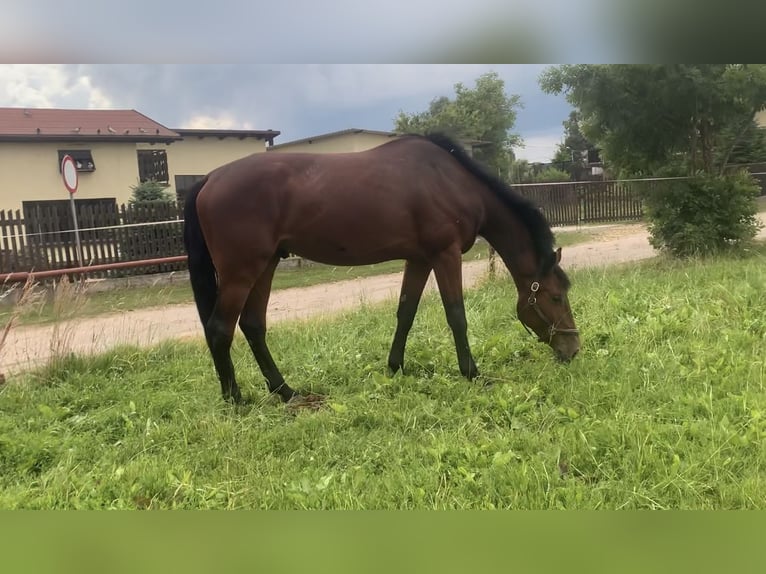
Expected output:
(350, 140)
(113, 150)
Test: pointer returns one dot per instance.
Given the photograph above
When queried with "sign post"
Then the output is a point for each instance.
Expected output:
(69, 173)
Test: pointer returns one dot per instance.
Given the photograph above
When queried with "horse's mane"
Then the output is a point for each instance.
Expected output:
(528, 213)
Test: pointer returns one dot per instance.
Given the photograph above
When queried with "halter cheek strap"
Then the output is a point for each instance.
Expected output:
(552, 329)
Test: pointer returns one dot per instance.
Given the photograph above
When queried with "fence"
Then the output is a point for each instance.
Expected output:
(577, 203)
(42, 238)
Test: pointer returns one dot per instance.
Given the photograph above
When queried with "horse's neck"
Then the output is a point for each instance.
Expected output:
(508, 235)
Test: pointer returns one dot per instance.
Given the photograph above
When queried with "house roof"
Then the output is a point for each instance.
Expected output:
(71, 125)
(351, 131)
(268, 135)
(339, 133)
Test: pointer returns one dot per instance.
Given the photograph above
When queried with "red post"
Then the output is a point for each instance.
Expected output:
(24, 275)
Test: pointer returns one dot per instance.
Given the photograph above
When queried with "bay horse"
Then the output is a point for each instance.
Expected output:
(421, 199)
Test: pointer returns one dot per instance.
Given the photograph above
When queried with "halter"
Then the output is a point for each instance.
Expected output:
(552, 329)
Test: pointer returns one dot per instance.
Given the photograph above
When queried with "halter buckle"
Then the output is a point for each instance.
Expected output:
(533, 295)
(552, 329)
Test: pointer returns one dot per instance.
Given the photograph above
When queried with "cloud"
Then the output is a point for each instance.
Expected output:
(48, 86)
(300, 100)
(540, 146)
(363, 84)
(222, 121)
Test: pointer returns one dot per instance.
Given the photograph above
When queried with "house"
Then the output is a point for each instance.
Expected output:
(351, 140)
(113, 150)
(760, 118)
(199, 151)
(348, 140)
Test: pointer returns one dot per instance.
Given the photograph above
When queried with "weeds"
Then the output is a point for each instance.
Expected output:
(28, 297)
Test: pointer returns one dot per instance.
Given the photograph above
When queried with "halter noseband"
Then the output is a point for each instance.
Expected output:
(552, 329)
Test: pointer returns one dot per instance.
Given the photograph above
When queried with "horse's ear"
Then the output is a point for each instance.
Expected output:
(558, 255)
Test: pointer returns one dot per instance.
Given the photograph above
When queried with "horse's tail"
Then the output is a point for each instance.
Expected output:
(202, 273)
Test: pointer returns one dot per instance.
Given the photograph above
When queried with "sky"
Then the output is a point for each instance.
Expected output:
(299, 100)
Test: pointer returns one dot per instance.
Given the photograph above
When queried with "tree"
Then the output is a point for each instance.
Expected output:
(653, 118)
(524, 172)
(149, 191)
(521, 171)
(672, 120)
(751, 147)
(572, 154)
(484, 113)
(550, 175)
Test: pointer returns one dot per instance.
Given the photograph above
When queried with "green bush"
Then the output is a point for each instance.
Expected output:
(150, 191)
(551, 175)
(703, 215)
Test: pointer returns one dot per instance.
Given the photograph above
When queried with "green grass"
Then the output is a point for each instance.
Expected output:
(665, 407)
(129, 299)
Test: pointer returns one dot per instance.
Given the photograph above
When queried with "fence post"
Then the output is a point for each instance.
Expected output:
(492, 261)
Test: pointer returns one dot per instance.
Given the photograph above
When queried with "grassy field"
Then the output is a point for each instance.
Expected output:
(128, 299)
(665, 407)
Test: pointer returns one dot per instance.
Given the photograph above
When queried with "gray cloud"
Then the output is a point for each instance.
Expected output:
(298, 99)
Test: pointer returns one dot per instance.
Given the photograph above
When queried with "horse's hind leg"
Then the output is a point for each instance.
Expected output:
(413, 283)
(219, 332)
(253, 325)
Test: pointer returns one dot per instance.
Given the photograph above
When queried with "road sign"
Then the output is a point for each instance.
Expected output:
(69, 173)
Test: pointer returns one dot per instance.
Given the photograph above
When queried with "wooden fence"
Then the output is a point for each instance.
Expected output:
(43, 239)
(577, 203)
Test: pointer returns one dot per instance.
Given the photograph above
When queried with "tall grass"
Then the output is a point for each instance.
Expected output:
(665, 407)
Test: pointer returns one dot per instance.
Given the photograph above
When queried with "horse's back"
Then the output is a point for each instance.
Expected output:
(399, 200)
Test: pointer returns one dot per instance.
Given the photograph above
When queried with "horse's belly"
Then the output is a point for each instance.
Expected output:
(346, 254)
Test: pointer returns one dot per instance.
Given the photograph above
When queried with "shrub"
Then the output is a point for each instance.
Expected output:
(551, 175)
(703, 215)
(150, 191)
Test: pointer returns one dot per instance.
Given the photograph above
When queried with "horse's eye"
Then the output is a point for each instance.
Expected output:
(557, 299)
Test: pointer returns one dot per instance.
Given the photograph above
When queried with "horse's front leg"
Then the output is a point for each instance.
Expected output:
(413, 283)
(448, 269)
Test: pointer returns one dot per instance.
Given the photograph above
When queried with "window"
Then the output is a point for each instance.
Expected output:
(184, 184)
(152, 165)
(83, 159)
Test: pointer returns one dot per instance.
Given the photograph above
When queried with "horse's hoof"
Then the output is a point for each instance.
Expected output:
(309, 401)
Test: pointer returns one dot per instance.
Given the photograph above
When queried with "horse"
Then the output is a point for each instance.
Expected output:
(418, 198)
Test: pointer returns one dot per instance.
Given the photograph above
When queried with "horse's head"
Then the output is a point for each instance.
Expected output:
(544, 308)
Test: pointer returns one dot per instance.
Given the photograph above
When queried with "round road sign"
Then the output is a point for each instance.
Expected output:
(69, 173)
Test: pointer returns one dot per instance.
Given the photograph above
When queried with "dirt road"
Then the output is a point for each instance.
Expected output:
(34, 345)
